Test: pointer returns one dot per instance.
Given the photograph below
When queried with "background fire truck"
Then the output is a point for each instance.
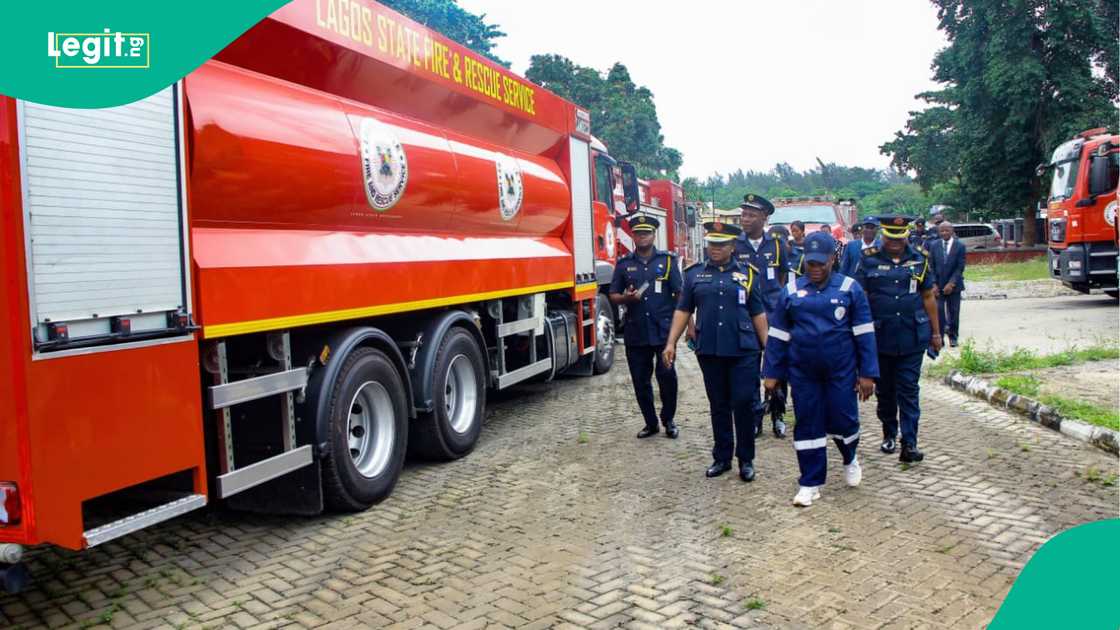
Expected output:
(1081, 212)
(268, 282)
(839, 214)
(661, 198)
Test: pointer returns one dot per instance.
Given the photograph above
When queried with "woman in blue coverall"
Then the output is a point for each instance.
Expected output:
(822, 341)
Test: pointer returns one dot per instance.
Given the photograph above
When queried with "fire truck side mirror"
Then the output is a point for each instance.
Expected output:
(630, 185)
(1101, 180)
(1041, 169)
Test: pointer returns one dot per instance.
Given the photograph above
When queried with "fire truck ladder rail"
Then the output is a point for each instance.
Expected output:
(225, 394)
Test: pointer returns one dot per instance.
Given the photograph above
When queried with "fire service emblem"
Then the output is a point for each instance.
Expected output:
(510, 188)
(384, 164)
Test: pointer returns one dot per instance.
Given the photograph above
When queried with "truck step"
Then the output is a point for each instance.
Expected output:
(229, 394)
(147, 518)
(255, 474)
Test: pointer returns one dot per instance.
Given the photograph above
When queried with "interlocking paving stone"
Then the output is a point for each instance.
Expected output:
(535, 529)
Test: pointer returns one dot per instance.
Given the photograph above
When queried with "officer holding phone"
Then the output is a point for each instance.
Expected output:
(647, 282)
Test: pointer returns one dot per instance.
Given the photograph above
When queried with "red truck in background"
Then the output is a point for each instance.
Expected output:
(663, 199)
(268, 282)
(814, 211)
(1081, 212)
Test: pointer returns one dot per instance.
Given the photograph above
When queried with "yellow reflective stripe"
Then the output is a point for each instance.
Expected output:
(587, 286)
(295, 321)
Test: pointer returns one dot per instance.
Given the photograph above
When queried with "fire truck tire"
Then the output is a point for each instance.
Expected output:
(368, 432)
(451, 429)
(604, 335)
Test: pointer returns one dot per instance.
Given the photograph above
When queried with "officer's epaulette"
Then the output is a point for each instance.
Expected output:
(695, 264)
(871, 251)
(667, 253)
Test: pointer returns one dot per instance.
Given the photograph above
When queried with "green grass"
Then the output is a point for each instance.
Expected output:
(1083, 411)
(754, 603)
(973, 360)
(1033, 269)
(725, 531)
(583, 438)
(1022, 384)
(716, 579)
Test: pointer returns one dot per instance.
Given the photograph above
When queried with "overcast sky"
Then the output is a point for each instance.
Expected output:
(747, 83)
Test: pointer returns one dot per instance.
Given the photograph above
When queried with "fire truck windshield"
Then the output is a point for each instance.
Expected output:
(806, 214)
(1065, 161)
(1065, 177)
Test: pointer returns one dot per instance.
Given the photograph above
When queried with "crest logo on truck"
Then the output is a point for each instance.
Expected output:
(384, 164)
(511, 190)
(1110, 214)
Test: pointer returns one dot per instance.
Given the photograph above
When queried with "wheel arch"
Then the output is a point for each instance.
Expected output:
(339, 345)
(432, 332)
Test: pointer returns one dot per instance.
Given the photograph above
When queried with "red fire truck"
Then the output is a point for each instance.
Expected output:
(268, 282)
(815, 211)
(1081, 212)
(660, 198)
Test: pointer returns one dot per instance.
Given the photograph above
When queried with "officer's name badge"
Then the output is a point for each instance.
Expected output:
(834, 301)
(635, 268)
(884, 267)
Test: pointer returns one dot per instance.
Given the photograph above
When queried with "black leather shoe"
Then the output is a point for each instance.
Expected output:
(779, 428)
(910, 454)
(887, 446)
(647, 431)
(671, 430)
(746, 471)
(717, 469)
(952, 342)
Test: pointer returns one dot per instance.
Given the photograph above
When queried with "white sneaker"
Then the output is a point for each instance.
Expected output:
(805, 496)
(853, 474)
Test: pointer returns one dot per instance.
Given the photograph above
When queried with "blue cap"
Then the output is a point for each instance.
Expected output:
(819, 246)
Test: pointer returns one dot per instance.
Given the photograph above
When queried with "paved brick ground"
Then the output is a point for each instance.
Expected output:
(562, 519)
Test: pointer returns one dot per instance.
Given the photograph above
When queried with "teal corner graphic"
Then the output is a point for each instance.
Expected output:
(100, 54)
(1071, 582)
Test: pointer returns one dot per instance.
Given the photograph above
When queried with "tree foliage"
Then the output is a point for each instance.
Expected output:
(875, 191)
(623, 115)
(1019, 77)
(453, 21)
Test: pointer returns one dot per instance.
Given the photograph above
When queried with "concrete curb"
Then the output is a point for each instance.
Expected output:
(1105, 439)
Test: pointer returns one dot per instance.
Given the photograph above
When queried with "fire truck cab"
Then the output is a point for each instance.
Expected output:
(1081, 212)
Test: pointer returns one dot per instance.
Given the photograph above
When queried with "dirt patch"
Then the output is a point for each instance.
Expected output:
(1096, 382)
(1013, 289)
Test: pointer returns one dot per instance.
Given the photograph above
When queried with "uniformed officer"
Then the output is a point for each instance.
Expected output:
(648, 282)
(853, 251)
(899, 286)
(769, 255)
(730, 334)
(796, 240)
(918, 235)
(822, 340)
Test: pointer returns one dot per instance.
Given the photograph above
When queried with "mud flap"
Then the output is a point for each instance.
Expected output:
(298, 493)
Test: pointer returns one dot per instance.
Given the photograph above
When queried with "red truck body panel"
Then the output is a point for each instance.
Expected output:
(282, 235)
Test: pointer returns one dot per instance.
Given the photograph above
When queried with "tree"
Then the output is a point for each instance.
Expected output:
(453, 21)
(623, 114)
(1019, 77)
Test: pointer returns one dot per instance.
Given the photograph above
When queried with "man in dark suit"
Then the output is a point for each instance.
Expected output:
(947, 257)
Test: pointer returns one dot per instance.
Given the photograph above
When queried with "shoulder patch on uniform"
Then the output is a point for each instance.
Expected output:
(871, 251)
(846, 284)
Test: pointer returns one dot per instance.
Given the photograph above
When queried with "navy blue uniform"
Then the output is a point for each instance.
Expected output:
(647, 328)
(771, 259)
(902, 333)
(820, 341)
(725, 298)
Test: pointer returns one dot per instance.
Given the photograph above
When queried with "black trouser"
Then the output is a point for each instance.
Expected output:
(949, 313)
(896, 395)
(643, 362)
(732, 386)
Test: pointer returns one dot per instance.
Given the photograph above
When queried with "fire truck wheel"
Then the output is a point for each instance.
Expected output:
(604, 335)
(368, 432)
(451, 430)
